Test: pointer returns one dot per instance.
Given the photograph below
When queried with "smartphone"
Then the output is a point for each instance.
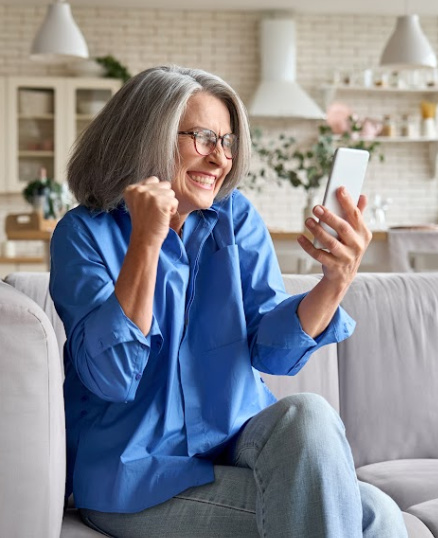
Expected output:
(348, 170)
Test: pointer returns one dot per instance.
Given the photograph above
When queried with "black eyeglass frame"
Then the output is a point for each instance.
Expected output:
(209, 132)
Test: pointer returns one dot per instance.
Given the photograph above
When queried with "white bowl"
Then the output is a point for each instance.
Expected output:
(86, 68)
(90, 107)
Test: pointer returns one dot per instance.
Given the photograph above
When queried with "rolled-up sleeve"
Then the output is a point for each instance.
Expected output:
(108, 351)
(283, 348)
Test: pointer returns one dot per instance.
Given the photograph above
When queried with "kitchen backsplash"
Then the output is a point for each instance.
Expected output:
(227, 44)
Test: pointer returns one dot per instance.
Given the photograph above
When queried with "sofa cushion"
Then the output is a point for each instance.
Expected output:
(388, 369)
(408, 482)
(428, 513)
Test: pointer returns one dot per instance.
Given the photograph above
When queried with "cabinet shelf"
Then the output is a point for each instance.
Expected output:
(330, 90)
(36, 116)
(395, 139)
(36, 153)
(378, 89)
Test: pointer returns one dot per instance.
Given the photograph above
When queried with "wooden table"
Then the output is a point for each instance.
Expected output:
(31, 227)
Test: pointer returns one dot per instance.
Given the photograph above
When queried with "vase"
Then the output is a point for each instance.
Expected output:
(308, 208)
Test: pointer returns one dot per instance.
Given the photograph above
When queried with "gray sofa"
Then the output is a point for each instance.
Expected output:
(383, 381)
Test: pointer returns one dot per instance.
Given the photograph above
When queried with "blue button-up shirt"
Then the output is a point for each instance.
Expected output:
(146, 414)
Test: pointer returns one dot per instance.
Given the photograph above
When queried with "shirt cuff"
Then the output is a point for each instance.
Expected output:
(109, 326)
(284, 347)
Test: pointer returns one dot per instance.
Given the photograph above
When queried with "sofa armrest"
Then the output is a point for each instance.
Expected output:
(32, 446)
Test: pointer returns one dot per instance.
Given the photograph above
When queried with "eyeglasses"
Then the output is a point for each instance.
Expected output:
(206, 142)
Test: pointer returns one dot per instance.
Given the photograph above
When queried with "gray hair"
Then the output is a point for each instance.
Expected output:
(135, 135)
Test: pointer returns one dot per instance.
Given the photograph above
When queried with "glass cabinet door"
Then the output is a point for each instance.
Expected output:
(35, 130)
(44, 116)
(87, 97)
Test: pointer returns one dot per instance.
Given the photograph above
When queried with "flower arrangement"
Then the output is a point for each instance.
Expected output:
(306, 167)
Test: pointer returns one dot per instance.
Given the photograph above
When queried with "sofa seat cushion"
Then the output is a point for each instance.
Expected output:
(409, 482)
(428, 513)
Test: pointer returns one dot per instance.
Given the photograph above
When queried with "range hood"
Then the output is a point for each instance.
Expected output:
(278, 94)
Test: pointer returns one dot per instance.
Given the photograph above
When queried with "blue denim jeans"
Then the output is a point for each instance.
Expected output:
(290, 474)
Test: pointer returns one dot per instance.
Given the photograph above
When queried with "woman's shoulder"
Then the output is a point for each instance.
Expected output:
(86, 221)
(234, 203)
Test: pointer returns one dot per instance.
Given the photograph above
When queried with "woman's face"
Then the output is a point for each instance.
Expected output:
(199, 178)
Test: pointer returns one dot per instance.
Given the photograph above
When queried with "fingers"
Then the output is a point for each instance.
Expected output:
(363, 202)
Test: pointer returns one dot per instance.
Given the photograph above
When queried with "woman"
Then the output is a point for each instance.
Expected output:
(172, 300)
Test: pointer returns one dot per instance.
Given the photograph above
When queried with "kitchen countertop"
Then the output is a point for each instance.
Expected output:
(280, 235)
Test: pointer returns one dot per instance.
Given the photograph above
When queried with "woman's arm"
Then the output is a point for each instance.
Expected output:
(151, 205)
(340, 261)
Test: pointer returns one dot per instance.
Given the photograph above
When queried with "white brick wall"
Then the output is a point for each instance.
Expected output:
(227, 44)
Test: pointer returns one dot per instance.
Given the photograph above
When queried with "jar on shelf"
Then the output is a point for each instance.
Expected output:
(408, 127)
(388, 127)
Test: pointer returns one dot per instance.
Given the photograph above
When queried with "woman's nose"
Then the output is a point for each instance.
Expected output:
(218, 154)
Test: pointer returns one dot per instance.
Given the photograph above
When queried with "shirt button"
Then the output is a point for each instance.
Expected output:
(84, 398)
(83, 413)
(137, 376)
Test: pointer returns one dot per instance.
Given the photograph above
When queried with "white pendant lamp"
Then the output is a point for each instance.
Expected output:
(408, 47)
(59, 39)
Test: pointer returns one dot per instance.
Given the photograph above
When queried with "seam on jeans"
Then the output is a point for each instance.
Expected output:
(248, 446)
(220, 505)
(262, 503)
(255, 444)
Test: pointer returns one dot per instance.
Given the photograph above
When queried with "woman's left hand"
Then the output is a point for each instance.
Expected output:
(340, 257)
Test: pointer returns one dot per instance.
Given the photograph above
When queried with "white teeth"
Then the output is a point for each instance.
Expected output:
(203, 180)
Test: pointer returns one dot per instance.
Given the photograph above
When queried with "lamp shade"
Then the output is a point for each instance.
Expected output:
(408, 46)
(59, 39)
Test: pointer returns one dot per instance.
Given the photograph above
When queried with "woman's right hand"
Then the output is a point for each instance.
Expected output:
(151, 204)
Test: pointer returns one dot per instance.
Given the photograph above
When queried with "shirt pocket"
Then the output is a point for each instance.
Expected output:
(216, 317)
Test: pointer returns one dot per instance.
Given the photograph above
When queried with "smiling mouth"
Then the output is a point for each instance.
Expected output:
(207, 182)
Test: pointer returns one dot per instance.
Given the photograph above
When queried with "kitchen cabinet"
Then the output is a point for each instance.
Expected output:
(44, 116)
(330, 91)
(2, 129)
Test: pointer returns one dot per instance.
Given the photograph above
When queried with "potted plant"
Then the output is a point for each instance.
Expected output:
(45, 196)
(113, 68)
(305, 166)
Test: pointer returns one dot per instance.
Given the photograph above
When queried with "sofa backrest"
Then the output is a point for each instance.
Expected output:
(388, 369)
(383, 379)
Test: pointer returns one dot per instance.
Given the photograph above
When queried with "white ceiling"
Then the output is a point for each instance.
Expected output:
(394, 7)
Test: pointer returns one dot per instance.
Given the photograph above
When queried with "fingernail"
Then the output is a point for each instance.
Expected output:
(318, 210)
(310, 222)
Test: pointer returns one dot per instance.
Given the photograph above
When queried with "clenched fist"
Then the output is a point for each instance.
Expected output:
(151, 205)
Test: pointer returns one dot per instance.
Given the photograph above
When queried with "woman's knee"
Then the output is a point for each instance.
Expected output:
(311, 414)
(309, 421)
